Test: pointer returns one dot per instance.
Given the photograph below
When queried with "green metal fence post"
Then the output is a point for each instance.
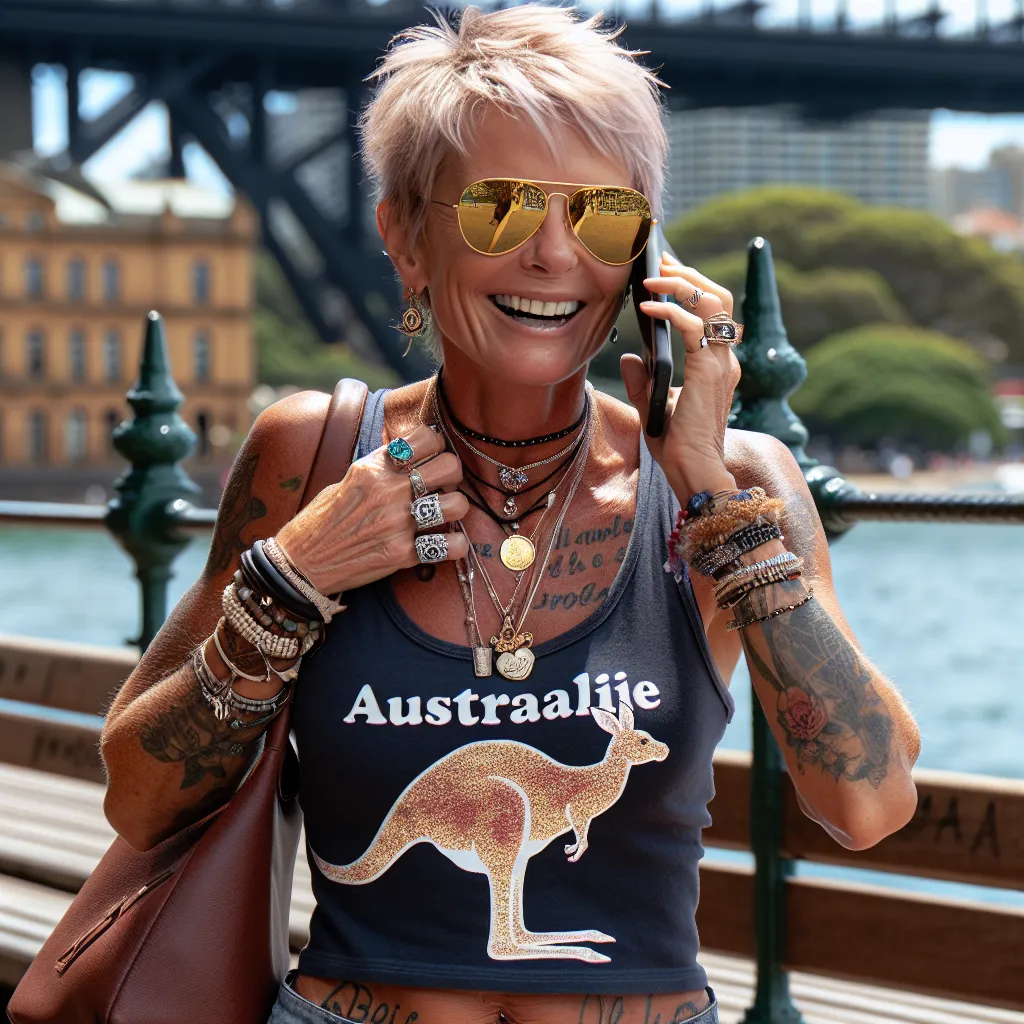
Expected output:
(772, 370)
(154, 493)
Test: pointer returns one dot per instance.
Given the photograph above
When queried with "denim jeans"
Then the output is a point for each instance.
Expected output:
(291, 1008)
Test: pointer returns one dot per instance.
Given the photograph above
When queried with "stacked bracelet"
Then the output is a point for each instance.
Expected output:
(270, 644)
(222, 699)
(735, 586)
(793, 594)
(738, 544)
(264, 578)
(326, 606)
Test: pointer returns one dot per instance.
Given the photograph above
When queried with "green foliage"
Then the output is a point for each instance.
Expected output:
(899, 384)
(919, 268)
(290, 352)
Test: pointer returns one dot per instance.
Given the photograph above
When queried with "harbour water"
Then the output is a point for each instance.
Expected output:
(937, 607)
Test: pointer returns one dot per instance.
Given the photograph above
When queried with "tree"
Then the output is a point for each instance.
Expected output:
(903, 385)
(935, 278)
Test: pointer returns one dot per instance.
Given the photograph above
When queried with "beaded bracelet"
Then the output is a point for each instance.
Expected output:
(268, 614)
(700, 535)
(327, 606)
(737, 545)
(785, 558)
(242, 622)
(727, 597)
(735, 624)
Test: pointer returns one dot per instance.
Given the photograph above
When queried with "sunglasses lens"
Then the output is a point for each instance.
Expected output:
(613, 223)
(498, 214)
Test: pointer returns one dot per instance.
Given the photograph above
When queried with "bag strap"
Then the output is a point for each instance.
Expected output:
(338, 439)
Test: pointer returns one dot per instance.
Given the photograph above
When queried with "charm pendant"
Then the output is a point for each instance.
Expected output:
(517, 553)
(482, 658)
(508, 639)
(516, 665)
(512, 479)
(510, 508)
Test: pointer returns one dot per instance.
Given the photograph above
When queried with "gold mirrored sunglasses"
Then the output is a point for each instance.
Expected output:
(497, 215)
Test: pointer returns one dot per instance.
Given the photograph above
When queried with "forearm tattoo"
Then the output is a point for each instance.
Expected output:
(188, 733)
(826, 704)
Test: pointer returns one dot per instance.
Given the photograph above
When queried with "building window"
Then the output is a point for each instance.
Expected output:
(111, 421)
(76, 355)
(75, 436)
(38, 428)
(35, 220)
(201, 283)
(35, 284)
(111, 281)
(76, 280)
(35, 355)
(203, 434)
(112, 355)
(201, 357)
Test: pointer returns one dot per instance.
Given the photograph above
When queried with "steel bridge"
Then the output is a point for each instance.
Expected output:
(214, 62)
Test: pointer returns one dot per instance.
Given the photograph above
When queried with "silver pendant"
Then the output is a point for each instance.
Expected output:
(516, 665)
(482, 659)
(512, 479)
(510, 508)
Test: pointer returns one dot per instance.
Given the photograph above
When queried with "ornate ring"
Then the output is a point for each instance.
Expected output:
(694, 299)
(401, 452)
(431, 547)
(427, 512)
(419, 488)
(723, 330)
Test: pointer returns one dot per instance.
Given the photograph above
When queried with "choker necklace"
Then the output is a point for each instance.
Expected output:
(500, 442)
(512, 478)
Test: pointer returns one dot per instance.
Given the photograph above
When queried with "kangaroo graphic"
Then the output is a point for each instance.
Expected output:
(492, 805)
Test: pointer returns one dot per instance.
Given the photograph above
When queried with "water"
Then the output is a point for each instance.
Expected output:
(936, 607)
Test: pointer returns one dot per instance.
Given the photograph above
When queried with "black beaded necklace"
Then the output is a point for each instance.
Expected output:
(500, 442)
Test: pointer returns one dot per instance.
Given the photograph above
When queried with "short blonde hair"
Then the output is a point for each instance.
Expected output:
(544, 63)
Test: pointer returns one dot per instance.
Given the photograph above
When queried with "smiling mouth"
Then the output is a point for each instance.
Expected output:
(560, 313)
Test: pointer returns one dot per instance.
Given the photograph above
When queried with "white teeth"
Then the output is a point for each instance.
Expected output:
(549, 308)
(571, 306)
(559, 309)
(514, 301)
(536, 307)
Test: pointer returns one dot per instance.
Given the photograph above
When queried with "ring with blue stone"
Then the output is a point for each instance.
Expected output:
(401, 453)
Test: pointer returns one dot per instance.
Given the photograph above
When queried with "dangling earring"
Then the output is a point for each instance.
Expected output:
(415, 319)
(613, 338)
(628, 292)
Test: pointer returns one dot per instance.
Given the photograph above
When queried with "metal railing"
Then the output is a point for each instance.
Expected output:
(152, 517)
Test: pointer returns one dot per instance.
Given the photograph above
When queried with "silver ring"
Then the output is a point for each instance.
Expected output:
(427, 512)
(694, 299)
(419, 488)
(431, 547)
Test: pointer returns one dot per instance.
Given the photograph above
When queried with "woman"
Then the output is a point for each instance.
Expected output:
(513, 665)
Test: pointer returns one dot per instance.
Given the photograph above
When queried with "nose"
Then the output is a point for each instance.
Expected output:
(553, 248)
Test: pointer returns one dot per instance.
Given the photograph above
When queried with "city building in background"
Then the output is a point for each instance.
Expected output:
(79, 272)
(881, 159)
(999, 185)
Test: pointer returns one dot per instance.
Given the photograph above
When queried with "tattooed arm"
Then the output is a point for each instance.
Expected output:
(168, 760)
(848, 739)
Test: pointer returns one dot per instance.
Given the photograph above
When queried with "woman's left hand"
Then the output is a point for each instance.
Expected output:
(691, 449)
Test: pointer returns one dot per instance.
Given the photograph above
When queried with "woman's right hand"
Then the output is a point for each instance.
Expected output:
(361, 529)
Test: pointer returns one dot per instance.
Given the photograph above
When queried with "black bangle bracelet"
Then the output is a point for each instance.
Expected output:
(265, 578)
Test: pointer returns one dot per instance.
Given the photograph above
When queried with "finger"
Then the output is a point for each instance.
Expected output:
(691, 327)
(685, 291)
(441, 473)
(454, 506)
(705, 283)
(634, 376)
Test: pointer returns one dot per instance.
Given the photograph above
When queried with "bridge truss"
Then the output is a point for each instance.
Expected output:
(215, 62)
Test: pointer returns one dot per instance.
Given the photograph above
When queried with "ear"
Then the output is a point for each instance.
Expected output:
(606, 720)
(625, 717)
(395, 236)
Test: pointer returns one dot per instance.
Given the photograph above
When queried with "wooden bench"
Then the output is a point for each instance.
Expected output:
(54, 833)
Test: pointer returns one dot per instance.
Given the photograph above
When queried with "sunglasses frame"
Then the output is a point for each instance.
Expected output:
(568, 197)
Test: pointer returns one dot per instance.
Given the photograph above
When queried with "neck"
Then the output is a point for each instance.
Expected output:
(489, 406)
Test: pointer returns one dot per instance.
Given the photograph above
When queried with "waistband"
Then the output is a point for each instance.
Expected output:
(291, 1008)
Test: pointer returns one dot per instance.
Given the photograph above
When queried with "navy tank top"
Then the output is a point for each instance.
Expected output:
(535, 836)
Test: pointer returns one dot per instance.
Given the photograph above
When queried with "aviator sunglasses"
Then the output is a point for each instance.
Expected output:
(497, 215)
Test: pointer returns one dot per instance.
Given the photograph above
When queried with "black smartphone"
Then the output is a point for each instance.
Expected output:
(655, 335)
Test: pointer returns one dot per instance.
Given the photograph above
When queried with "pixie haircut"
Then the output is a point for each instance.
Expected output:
(543, 63)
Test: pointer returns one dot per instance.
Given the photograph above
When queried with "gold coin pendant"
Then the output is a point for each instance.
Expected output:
(517, 553)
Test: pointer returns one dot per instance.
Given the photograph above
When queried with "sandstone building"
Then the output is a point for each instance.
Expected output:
(78, 273)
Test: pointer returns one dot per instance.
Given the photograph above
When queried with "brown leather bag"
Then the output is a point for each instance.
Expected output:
(194, 931)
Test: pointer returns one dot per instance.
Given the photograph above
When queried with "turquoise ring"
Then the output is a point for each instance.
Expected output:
(401, 453)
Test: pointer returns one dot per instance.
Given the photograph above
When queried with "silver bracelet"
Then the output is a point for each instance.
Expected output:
(232, 667)
(326, 606)
(221, 696)
(755, 567)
